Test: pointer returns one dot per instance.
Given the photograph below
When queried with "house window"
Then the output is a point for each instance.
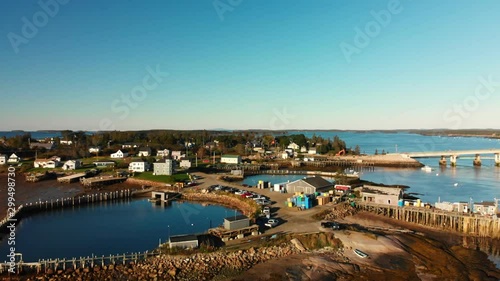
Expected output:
(388, 201)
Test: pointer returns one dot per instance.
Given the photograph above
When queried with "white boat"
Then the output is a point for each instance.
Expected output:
(427, 169)
(360, 253)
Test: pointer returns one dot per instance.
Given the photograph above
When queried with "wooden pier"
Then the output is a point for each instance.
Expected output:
(71, 178)
(469, 224)
(100, 181)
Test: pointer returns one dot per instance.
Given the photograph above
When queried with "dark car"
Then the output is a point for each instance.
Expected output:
(330, 224)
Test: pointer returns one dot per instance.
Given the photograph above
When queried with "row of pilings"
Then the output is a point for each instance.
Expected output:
(469, 224)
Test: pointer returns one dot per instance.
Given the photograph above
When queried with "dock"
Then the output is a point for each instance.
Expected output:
(100, 181)
(71, 178)
(469, 224)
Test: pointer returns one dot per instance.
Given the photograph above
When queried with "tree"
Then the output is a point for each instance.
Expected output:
(239, 149)
(201, 152)
(357, 150)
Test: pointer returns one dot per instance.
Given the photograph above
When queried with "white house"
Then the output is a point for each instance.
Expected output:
(94, 149)
(303, 149)
(293, 146)
(185, 164)
(163, 168)
(66, 142)
(284, 155)
(230, 159)
(72, 165)
(46, 163)
(119, 154)
(144, 151)
(177, 155)
(13, 158)
(312, 150)
(138, 166)
(486, 208)
(3, 159)
(163, 153)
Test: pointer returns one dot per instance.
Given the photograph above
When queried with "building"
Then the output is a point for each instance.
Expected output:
(66, 142)
(486, 208)
(177, 155)
(138, 166)
(119, 154)
(183, 241)
(14, 159)
(94, 149)
(303, 149)
(72, 165)
(40, 145)
(163, 153)
(144, 151)
(293, 146)
(462, 207)
(381, 195)
(284, 155)
(3, 159)
(309, 185)
(236, 222)
(186, 164)
(342, 189)
(46, 163)
(163, 168)
(230, 159)
(312, 150)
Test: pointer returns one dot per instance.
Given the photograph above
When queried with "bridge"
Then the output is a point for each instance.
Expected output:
(455, 154)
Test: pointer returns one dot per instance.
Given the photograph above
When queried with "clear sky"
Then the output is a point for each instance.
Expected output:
(241, 64)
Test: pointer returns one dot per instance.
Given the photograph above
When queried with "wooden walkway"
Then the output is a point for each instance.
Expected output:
(100, 181)
(71, 178)
(469, 224)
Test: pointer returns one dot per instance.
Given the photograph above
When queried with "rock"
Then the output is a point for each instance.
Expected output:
(50, 271)
(172, 272)
(59, 272)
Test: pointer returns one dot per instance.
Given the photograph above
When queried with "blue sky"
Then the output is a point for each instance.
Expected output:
(249, 64)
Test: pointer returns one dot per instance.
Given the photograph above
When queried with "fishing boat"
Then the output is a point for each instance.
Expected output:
(360, 253)
(427, 169)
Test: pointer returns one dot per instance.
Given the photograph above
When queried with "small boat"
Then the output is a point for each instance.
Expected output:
(427, 169)
(360, 253)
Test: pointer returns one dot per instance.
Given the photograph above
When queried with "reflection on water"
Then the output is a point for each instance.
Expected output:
(109, 228)
(489, 246)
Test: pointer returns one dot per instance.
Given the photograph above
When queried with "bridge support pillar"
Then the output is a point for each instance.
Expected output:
(497, 159)
(453, 160)
(477, 160)
(442, 161)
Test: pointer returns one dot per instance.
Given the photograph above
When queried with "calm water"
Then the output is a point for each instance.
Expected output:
(110, 228)
(35, 135)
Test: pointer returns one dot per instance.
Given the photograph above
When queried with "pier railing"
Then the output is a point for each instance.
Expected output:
(66, 202)
(44, 265)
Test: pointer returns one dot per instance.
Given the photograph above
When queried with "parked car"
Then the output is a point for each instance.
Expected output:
(271, 223)
(239, 192)
(330, 224)
(266, 210)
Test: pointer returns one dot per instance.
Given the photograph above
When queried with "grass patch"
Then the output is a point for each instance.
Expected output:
(181, 177)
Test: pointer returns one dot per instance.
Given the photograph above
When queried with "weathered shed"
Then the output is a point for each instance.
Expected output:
(184, 241)
(236, 222)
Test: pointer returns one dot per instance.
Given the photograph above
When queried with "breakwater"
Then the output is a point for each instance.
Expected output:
(468, 224)
(246, 206)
